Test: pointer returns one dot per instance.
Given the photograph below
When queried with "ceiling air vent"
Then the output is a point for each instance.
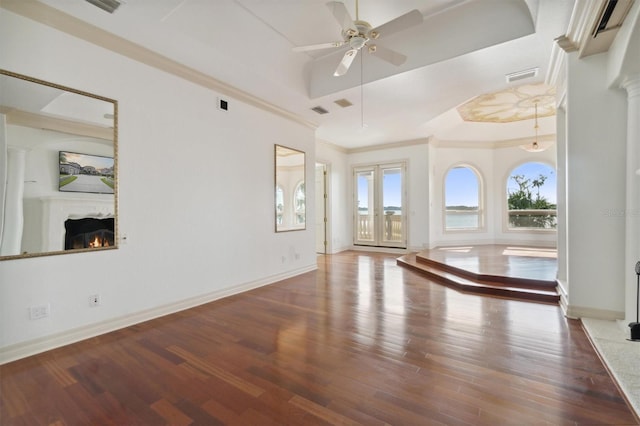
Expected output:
(521, 75)
(343, 103)
(319, 110)
(106, 5)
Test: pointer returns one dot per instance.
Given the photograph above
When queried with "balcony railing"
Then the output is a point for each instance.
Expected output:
(392, 227)
(533, 219)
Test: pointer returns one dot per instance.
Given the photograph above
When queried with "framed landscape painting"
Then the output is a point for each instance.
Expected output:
(85, 173)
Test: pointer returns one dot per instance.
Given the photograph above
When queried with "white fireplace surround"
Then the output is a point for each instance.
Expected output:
(56, 210)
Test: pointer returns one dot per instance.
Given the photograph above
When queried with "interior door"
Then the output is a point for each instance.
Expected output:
(321, 208)
(379, 203)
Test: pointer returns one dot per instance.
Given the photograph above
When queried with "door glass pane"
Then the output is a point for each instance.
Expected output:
(366, 206)
(392, 204)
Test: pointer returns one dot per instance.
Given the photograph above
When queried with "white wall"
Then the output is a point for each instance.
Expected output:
(196, 198)
(417, 185)
(339, 235)
(41, 177)
(494, 166)
(595, 178)
(427, 165)
(442, 160)
(3, 169)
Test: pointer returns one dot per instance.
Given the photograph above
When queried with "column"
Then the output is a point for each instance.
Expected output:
(13, 214)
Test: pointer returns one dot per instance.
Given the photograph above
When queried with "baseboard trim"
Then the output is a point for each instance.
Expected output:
(576, 312)
(46, 343)
(375, 249)
(564, 298)
(483, 242)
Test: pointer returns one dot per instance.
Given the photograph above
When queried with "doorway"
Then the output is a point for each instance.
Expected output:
(379, 205)
(321, 208)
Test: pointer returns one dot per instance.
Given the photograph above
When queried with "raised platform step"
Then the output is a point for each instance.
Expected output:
(496, 285)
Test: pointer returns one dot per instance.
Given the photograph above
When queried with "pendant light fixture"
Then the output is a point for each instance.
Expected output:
(534, 146)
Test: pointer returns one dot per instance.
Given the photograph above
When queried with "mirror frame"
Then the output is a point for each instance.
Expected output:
(294, 151)
(114, 102)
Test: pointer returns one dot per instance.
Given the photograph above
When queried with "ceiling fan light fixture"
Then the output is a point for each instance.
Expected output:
(356, 33)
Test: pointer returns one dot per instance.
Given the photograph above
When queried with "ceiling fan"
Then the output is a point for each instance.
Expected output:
(358, 34)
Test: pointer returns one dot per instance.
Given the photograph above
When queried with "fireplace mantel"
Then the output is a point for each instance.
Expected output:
(45, 230)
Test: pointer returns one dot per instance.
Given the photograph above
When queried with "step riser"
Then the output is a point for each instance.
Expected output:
(519, 282)
(481, 288)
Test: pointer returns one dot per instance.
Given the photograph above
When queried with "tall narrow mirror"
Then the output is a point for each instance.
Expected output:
(58, 169)
(290, 194)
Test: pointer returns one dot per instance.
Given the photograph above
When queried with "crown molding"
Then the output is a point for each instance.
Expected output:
(557, 71)
(402, 144)
(54, 18)
(584, 14)
(509, 143)
(331, 145)
(39, 121)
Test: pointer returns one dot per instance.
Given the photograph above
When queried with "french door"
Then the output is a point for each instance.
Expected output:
(379, 204)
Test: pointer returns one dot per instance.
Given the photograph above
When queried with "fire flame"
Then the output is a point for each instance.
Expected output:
(95, 243)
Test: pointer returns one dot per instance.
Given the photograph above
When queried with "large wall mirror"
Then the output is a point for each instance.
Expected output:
(290, 189)
(58, 169)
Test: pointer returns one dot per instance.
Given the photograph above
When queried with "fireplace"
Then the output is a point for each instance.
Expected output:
(88, 233)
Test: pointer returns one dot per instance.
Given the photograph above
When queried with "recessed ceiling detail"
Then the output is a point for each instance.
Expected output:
(513, 104)
(438, 38)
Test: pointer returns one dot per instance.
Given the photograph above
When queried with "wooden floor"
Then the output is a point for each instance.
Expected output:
(360, 341)
(531, 263)
(515, 272)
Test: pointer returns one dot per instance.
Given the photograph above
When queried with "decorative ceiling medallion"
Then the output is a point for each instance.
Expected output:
(513, 104)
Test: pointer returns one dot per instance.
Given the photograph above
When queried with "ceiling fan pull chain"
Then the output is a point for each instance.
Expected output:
(361, 90)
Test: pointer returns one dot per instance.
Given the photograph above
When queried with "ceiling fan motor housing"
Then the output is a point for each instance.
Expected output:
(357, 41)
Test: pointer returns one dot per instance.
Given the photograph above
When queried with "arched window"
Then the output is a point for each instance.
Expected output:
(531, 197)
(299, 203)
(279, 204)
(462, 199)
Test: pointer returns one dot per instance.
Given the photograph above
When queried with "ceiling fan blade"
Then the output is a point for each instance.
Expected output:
(345, 63)
(318, 46)
(401, 23)
(386, 54)
(341, 14)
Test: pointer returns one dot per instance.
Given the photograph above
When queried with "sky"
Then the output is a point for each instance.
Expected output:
(462, 188)
(461, 185)
(532, 171)
(392, 188)
(89, 160)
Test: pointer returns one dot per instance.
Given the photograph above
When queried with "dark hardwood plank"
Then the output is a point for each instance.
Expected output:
(360, 341)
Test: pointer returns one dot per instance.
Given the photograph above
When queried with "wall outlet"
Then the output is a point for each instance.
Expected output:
(39, 311)
(94, 300)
